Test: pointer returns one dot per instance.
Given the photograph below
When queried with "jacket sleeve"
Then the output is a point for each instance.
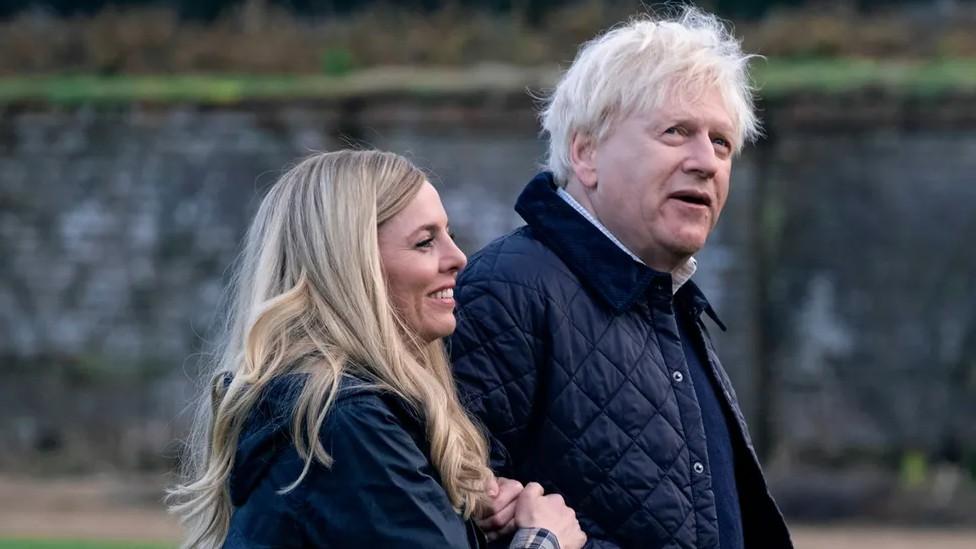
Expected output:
(593, 540)
(497, 353)
(594, 543)
(381, 490)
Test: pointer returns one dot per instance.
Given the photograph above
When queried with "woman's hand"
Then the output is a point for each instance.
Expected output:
(499, 520)
(535, 510)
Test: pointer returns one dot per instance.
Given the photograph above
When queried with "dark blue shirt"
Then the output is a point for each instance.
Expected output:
(718, 439)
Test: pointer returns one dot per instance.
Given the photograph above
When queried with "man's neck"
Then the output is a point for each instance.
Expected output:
(665, 265)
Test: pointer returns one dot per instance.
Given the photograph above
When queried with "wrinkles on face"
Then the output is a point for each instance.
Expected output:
(662, 179)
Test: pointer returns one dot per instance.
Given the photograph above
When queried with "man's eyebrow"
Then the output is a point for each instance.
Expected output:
(675, 120)
(724, 129)
(720, 126)
(691, 120)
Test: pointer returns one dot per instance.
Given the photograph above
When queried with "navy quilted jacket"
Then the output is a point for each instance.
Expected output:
(381, 490)
(566, 350)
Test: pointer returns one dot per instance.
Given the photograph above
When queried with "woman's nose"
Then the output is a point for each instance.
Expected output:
(454, 258)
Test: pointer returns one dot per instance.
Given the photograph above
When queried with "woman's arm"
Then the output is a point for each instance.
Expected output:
(381, 490)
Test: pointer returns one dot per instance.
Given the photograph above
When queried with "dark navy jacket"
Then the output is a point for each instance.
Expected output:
(381, 490)
(567, 350)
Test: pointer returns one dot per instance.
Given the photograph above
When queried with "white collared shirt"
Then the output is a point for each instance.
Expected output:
(681, 274)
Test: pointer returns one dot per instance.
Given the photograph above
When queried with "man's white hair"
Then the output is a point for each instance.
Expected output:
(636, 68)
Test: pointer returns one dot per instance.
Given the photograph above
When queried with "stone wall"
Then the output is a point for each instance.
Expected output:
(842, 264)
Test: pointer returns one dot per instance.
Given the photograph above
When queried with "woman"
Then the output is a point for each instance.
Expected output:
(333, 420)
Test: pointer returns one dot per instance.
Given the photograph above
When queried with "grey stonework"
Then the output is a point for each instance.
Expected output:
(843, 264)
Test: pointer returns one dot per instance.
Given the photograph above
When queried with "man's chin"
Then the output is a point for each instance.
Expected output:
(687, 247)
(686, 238)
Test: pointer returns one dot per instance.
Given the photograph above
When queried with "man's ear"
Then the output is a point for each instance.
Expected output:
(582, 158)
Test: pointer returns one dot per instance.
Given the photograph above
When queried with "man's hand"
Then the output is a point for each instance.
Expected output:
(499, 520)
(534, 510)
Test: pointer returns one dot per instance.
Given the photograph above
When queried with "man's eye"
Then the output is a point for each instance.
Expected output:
(722, 142)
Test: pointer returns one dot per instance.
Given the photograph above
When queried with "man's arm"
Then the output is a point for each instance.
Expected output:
(496, 353)
(499, 353)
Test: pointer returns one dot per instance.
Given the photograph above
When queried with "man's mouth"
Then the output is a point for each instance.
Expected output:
(696, 198)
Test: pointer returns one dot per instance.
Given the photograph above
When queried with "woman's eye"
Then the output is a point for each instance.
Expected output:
(425, 243)
(453, 235)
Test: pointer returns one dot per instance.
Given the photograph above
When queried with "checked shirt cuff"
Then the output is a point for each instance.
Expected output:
(534, 538)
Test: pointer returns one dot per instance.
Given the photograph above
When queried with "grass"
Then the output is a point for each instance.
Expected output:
(229, 89)
(779, 77)
(775, 77)
(78, 544)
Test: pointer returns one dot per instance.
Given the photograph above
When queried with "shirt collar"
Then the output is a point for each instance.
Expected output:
(681, 274)
(608, 271)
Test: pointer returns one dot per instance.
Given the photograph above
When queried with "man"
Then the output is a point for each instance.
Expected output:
(581, 341)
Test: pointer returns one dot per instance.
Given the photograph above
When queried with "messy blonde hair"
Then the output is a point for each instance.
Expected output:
(638, 66)
(309, 296)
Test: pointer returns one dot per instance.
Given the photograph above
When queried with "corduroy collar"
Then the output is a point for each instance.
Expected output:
(602, 266)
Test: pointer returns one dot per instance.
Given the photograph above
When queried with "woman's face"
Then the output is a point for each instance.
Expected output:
(421, 263)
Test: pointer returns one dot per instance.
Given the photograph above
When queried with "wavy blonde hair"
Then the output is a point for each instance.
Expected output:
(309, 296)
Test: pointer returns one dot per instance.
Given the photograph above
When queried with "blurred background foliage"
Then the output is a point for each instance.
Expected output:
(335, 37)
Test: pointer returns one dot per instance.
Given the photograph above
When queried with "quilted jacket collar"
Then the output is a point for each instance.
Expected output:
(698, 303)
(606, 269)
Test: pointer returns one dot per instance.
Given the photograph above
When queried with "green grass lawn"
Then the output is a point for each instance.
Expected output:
(78, 544)
(839, 75)
(774, 76)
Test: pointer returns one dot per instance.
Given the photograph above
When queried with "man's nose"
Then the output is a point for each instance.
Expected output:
(702, 160)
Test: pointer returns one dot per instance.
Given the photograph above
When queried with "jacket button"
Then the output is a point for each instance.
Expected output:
(698, 468)
(677, 376)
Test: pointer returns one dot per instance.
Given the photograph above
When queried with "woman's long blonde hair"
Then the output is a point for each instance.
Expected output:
(309, 296)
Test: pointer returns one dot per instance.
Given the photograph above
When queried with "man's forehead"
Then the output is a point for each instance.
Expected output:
(706, 108)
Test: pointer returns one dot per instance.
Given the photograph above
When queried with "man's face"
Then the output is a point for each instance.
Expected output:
(661, 178)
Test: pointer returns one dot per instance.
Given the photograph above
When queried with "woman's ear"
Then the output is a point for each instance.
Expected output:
(582, 158)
